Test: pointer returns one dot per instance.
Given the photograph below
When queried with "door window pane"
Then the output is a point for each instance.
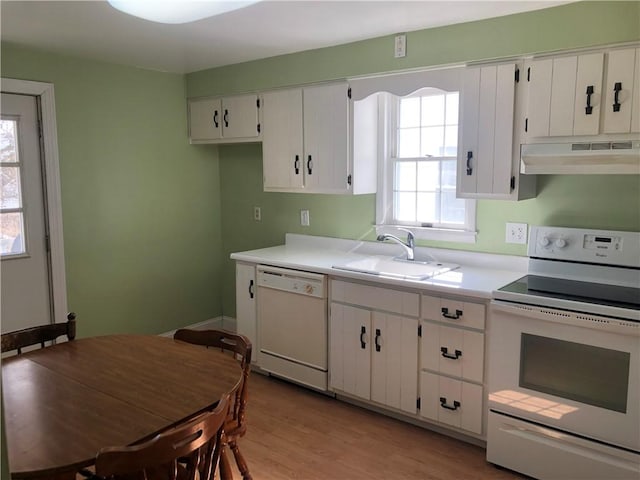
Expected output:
(12, 238)
(10, 187)
(11, 234)
(8, 141)
(575, 371)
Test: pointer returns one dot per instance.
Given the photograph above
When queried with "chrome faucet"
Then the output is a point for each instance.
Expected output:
(408, 245)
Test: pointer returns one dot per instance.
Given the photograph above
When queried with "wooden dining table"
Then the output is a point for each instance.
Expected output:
(65, 402)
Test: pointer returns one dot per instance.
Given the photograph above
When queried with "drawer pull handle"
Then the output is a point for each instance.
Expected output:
(616, 100)
(589, 108)
(376, 340)
(445, 353)
(446, 314)
(363, 338)
(443, 404)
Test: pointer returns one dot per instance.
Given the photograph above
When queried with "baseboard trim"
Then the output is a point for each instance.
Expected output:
(221, 322)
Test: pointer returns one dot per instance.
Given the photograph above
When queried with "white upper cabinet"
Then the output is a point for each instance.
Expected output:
(487, 156)
(282, 140)
(224, 120)
(622, 92)
(582, 95)
(305, 139)
(565, 96)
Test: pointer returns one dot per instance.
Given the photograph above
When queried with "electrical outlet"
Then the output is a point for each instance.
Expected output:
(257, 214)
(516, 233)
(304, 218)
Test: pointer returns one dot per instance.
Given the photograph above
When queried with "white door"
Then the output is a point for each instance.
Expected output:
(24, 273)
(282, 152)
(350, 339)
(326, 123)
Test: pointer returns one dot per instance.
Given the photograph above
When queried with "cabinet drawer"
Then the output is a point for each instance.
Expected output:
(451, 402)
(453, 351)
(376, 298)
(455, 312)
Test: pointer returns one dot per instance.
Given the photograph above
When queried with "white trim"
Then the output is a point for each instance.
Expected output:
(212, 323)
(46, 97)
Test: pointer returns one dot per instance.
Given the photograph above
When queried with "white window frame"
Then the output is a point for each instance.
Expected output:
(387, 122)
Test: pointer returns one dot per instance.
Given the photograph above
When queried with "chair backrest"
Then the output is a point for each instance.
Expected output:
(38, 335)
(193, 447)
(240, 346)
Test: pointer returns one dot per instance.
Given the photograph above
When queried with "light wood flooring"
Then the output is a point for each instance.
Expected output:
(294, 433)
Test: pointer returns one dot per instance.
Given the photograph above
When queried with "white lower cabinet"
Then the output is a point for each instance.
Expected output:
(373, 355)
(452, 402)
(452, 362)
(416, 354)
(246, 314)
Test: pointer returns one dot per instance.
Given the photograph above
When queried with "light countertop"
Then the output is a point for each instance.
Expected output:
(478, 276)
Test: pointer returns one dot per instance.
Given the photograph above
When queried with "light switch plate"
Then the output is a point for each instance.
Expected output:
(257, 214)
(516, 233)
(400, 46)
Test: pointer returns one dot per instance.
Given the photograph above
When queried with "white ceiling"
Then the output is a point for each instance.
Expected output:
(95, 30)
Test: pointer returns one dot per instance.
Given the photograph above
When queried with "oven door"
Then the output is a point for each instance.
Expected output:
(575, 372)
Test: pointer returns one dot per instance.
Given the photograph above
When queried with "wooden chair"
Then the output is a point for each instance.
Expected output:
(190, 450)
(43, 333)
(235, 426)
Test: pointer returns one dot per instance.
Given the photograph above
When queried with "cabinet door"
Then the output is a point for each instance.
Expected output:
(588, 79)
(350, 352)
(205, 119)
(326, 152)
(485, 155)
(635, 101)
(246, 303)
(282, 149)
(540, 74)
(564, 96)
(619, 90)
(394, 361)
(240, 116)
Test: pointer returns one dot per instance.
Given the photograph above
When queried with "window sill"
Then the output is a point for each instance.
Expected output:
(428, 233)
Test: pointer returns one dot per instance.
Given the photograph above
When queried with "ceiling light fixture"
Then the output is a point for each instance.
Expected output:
(177, 11)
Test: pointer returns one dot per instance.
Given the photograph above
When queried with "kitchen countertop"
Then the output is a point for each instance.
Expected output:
(478, 276)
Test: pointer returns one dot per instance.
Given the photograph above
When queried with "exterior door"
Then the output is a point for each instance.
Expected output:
(24, 268)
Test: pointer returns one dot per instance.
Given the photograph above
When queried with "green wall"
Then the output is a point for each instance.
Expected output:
(141, 207)
(596, 201)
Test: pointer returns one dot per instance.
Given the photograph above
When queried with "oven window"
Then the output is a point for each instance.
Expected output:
(584, 373)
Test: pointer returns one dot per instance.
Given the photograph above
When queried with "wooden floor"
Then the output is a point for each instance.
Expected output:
(294, 433)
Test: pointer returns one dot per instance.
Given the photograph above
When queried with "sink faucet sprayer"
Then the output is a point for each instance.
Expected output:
(408, 245)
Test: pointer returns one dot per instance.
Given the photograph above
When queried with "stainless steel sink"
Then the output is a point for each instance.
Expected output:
(396, 267)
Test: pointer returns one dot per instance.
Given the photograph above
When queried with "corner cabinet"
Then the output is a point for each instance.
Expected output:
(305, 141)
(224, 120)
(488, 157)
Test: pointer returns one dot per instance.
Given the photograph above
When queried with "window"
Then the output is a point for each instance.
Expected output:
(11, 206)
(419, 167)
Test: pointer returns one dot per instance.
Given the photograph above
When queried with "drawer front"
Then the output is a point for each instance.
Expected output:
(451, 402)
(452, 351)
(455, 312)
(376, 298)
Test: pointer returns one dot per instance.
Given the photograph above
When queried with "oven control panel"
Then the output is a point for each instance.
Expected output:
(582, 245)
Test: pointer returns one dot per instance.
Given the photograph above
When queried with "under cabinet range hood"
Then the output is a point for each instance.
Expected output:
(615, 157)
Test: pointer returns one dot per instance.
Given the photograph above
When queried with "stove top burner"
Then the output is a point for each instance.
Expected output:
(577, 291)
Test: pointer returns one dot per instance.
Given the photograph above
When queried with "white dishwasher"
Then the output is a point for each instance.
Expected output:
(292, 325)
